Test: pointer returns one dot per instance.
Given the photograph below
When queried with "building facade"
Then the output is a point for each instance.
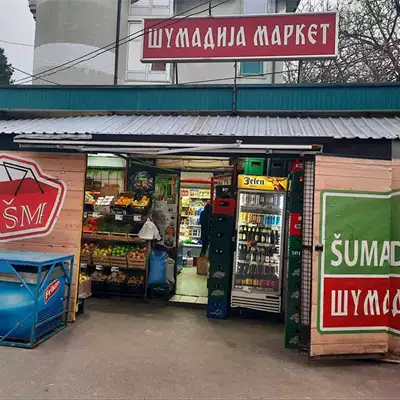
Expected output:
(77, 29)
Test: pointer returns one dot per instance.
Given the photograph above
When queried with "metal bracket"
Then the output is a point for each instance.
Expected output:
(319, 247)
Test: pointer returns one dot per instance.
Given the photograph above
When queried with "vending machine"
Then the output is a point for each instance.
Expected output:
(259, 249)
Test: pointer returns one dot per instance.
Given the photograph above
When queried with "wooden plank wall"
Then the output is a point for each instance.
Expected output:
(66, 235)
(345, 174)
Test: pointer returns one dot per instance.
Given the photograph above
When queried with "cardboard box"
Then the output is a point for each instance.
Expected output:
(202, 265)
(109, 190)
(85, 288)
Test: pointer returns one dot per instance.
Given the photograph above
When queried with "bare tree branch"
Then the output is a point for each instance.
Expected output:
(369, 43)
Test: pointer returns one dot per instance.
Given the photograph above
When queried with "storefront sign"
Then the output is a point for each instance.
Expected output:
(262, 37)
(30, 201)
(359, 284)
(261, 182)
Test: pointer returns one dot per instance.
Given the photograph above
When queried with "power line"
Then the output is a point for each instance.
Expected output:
(16, 43)
(123, 40)
(240, 77)
(27, 73)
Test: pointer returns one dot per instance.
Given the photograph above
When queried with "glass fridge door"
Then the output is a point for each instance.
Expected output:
(259, 252)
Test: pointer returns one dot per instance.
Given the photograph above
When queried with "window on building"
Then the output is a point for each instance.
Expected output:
(138, 71)
(158, 66)
(255, 7)
(251, 68)
(152, 7)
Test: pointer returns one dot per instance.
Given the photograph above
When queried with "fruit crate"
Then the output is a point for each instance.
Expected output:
(116, 261)
(137, 263)
(86, 259)
(105, 260)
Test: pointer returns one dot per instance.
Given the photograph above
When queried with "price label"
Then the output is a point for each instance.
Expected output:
(99, 267)
(96, 215)
(119, 217)
(137, 218)
(114, 269)
(83, 265)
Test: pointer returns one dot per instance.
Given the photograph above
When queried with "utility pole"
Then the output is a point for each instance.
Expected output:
(117, 37)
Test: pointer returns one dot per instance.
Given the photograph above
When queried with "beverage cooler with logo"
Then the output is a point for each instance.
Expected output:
(258, 261)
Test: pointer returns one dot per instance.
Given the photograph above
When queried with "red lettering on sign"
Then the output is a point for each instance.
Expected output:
(51, 290)
(274, 36)
(363, 303)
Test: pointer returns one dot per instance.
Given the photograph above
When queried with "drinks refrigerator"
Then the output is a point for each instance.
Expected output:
(258, 261)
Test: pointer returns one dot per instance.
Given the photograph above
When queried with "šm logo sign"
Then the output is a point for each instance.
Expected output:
(51, 290)
(30, 201)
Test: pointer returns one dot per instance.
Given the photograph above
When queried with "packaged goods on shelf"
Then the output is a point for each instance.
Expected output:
(103, 204)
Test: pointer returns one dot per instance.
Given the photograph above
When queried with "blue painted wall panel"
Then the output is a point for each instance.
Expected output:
(374, 97)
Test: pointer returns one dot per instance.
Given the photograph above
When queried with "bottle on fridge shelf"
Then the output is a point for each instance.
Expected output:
(245, 233)
(240, 232)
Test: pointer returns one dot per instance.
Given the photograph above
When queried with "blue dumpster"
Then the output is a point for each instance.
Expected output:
(34, 292)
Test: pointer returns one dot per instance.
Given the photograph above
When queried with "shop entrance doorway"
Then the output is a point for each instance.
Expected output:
(194, 234)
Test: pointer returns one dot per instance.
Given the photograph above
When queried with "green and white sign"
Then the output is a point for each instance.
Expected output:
(360, 262)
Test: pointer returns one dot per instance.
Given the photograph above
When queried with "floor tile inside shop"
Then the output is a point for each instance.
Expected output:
(125, 349)
(191, 287)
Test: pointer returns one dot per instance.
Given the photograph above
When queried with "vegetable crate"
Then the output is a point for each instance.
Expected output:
(118, 261)
(137, 263)
(39, 285)
(101, 260)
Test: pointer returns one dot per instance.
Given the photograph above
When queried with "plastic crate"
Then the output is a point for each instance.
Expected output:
(218, 309)
(254, 166)
(295, 243)
(220, 255)
(220, 271)
(220, 222)
(225, 206)
(98, 287)
(277, 167)
(219, 288)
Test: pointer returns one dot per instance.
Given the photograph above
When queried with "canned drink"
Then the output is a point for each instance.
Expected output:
(278, 220)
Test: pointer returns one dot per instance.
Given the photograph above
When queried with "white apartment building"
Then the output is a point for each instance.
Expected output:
(70, 29)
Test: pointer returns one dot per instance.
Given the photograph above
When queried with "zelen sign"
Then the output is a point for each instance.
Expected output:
(266, 37)
(359, 288)
(30, 201)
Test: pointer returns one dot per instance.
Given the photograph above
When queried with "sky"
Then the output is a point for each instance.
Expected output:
(17, 25)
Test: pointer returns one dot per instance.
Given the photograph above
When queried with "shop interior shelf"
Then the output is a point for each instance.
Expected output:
(122, 268)
(262, 210)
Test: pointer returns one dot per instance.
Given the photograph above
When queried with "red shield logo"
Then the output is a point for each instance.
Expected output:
(30, 201)
(51, 290)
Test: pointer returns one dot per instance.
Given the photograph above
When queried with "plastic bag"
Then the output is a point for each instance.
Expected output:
(149, 231)
(158, 268)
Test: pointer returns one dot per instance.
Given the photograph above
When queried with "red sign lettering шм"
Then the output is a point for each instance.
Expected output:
(361, 303)
(30, 201)
(255, 37)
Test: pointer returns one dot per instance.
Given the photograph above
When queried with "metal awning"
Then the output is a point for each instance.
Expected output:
(231, 126)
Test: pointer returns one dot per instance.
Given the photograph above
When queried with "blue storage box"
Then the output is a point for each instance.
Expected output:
(34, 296)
